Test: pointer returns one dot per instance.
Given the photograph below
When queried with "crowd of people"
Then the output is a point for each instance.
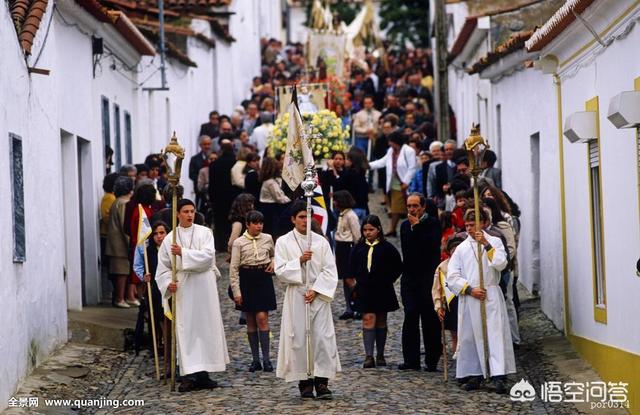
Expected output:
(240, 208)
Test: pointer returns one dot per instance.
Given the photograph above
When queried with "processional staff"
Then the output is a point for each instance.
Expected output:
(173, 155)
(476, 147)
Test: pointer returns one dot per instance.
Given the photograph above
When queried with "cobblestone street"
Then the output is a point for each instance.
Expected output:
(83, 372)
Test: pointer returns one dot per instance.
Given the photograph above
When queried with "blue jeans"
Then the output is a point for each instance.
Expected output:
(361, 213)
(362, 143)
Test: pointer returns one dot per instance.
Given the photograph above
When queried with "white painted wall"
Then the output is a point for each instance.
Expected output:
(34, 318)
(520, 120)
(611, 72)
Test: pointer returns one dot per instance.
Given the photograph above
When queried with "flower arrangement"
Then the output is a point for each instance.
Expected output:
(326, 128)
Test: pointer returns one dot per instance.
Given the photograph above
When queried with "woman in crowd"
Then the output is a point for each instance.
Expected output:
(376, 265)
(347, 234)
(242, 204)
(117, 248)
(273, 201)
(357, 185)
(250, 277)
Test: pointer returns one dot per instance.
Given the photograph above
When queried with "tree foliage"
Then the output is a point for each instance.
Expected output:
(405, 21)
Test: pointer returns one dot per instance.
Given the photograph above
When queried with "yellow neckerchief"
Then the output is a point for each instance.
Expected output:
(253, 240)
(370, 252)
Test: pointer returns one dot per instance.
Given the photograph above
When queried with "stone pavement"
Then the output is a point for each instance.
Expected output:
(83, 372)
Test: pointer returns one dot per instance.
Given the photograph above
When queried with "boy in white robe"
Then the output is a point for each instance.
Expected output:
(463, 279)
(201, 342)
(292, 260)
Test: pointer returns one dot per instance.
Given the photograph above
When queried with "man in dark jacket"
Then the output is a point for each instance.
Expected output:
(221, 193)
(197, 162)
(420, 237)
(211, 128)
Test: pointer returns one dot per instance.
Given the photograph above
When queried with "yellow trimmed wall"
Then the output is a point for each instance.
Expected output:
(613, 365)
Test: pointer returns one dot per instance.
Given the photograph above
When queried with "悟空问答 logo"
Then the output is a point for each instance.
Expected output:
(522, 392)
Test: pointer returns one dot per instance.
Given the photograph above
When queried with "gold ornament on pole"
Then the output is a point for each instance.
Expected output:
(476, 147)
(173, 155)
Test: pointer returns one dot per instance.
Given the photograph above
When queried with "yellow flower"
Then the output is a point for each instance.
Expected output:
(325, 149)
(316, 153)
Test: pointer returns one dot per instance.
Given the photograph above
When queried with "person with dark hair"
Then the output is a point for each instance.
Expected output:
(242, 204)
(375, 265)
(165, 213)
(300, 263)
(142, 171)
(199, 330)
(463, 280)
(250, 275)
(273, 201)
(145, 196)
(334, 177)
(210, 129)
(117, 246)
(445, 302)
(489, 171)
(152, 244)
(221, 193)
(420, 237)
(400, 162)
(347, 234)
(501, 228)
(252, 183)
(356, 183)
(108, 159)
(105, 204)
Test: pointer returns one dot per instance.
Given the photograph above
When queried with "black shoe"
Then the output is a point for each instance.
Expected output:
(405, 366)
(187, 385)
(206, 383)
(242, 321)
(322, 388)
(380, 361)
(268, 367)
(306, 389)
(431, 369)
(346, 315)
(369, 363)
(472, 384)
(357, 316)
(498, 386)
(255, 365)
(516, 346)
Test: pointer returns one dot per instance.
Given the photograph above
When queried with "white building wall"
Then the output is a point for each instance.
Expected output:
(520, 120)
(612, 71)
(33, 317)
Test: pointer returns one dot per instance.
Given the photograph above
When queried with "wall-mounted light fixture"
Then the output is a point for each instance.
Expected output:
(580, 127)
(624, 109)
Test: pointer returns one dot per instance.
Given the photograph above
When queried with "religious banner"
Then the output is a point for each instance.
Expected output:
(311, 98)
(328, 48)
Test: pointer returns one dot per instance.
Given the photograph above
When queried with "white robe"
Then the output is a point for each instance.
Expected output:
(462, 272)
(201, 343)
(323, 278)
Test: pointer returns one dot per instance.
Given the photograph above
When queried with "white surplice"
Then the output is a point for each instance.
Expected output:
(463, 272)
(323, 279)
(202, 345)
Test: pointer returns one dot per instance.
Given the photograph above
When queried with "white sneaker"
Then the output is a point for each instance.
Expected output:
(122, 304)
(134, 303)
